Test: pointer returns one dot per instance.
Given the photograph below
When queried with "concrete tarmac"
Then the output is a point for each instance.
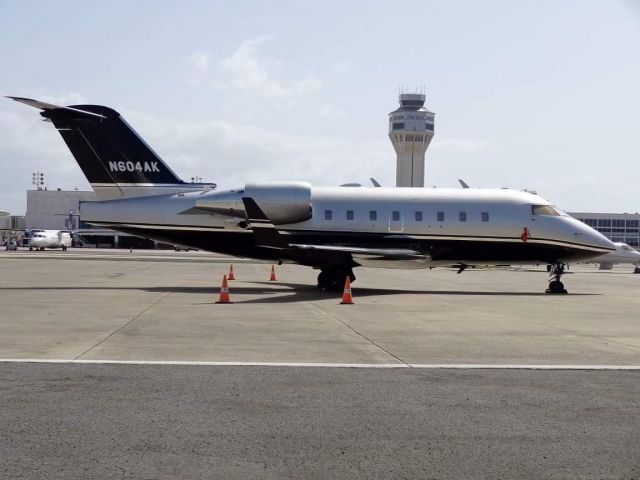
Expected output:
(65, 420)
(165, 310)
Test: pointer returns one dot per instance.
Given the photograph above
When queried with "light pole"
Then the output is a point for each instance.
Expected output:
(37, 180)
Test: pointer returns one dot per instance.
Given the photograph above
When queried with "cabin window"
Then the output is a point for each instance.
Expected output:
(418, 216)
(395, 216)
(349, 214)
(440, 216)
(463, 216)
(328, 214)
(484, 216)
(373, 215)
(544, 210)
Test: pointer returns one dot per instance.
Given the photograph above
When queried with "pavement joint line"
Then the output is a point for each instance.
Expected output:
(123, 326)
(423, 366)
(359, 334)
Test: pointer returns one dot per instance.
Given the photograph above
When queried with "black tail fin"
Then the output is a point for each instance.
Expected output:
(110, 153)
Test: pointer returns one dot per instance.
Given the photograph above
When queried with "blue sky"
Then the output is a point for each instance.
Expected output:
(532, 94)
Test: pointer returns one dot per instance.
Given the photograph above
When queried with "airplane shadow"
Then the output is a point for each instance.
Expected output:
(297, 292)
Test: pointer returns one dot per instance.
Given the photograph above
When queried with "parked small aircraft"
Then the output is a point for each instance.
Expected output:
(333, 229)
(623, 254)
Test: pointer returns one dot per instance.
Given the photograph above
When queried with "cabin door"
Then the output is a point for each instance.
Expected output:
(396, 221)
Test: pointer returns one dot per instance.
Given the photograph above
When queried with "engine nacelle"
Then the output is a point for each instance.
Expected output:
(282, 202)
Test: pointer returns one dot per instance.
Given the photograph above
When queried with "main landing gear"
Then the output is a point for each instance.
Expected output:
(556, 286)
(332, 279)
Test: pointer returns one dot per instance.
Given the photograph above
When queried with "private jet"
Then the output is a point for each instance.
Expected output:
(332, 229)
(623, 254)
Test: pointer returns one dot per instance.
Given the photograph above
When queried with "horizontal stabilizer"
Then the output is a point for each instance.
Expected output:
(49, 106)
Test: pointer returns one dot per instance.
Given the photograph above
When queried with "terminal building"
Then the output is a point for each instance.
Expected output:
(618, 227)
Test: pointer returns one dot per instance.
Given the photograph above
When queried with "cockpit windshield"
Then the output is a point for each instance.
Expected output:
(545, 210)
(627, 247)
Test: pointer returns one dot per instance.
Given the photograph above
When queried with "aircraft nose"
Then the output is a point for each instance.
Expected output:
(593, 237)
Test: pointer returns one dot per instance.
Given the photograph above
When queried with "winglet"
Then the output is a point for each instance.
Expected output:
(266, 233)
(49, 106)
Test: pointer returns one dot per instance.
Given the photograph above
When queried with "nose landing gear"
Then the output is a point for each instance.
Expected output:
(555, 285)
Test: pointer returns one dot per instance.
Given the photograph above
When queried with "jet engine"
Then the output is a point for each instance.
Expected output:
(282, 202)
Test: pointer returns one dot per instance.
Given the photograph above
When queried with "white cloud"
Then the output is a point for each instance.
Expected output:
(232, 154)
(247, 69)
(331, 112)
(199, 62)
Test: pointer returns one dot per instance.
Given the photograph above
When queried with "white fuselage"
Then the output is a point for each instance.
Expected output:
(471, 226)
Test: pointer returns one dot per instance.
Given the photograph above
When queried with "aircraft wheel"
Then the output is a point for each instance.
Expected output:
(322, 279)
(333, 280)
(31, 249)
(556, 287)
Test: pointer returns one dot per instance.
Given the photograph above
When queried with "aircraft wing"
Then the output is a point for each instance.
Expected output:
(390, 253)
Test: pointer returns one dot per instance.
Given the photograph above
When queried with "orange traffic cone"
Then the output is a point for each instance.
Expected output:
(273, 278)
(224, 292)
(231, 275)
(347, 298)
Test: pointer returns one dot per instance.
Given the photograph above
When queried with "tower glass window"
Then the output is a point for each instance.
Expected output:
(398, 126)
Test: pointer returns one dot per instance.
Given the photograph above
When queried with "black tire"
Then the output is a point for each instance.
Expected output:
(556, 287)
(322, 280)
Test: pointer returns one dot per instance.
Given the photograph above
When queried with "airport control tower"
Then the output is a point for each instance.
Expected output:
(410, 131)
